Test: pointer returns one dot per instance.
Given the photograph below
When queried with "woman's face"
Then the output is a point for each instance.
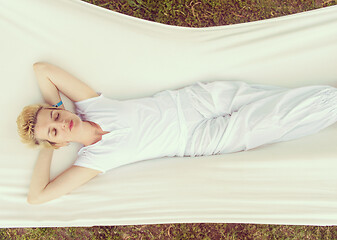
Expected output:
(57, 125)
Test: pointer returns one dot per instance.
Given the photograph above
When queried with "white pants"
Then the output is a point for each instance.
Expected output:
(231, 116)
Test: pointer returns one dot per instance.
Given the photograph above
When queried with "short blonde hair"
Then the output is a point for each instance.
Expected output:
(26, 122)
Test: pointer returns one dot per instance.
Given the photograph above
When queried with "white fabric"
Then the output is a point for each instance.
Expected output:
(290, 182)
(236, 116)
(218, 118)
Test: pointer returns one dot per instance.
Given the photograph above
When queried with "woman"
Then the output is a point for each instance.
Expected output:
(201, 119)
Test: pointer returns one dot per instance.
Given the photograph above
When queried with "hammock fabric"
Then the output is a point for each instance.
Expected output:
(284, 183)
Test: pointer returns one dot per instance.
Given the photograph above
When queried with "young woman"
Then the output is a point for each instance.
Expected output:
(202, 119)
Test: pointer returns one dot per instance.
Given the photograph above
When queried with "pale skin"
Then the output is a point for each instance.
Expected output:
(61, 127)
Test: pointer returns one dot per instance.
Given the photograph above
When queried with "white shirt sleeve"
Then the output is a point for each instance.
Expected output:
(85, 161)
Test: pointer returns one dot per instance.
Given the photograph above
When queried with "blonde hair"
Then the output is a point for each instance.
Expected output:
(26, 122)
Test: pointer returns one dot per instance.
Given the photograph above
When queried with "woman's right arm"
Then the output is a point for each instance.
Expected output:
(52, 79)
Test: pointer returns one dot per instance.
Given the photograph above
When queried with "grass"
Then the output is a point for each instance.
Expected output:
(203, 13)
(193, 13)
(198, 231)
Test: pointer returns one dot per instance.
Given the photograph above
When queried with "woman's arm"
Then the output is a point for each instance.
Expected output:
(42, 190)
(52, 79)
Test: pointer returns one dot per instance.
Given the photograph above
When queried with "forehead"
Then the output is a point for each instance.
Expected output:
(42, 123)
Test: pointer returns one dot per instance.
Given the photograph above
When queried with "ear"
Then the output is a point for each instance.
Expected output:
(58, 145)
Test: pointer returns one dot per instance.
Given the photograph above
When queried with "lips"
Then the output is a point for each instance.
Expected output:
(71, 124)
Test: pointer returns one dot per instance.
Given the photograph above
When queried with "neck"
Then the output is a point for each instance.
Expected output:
(91, 133)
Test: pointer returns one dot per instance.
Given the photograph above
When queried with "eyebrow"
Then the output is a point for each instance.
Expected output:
(51, 116)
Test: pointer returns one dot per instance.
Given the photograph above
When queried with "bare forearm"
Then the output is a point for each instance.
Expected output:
(48, 89)
(41, 174)
(53, 79)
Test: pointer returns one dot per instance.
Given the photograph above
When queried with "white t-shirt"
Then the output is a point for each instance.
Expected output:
(140, 129)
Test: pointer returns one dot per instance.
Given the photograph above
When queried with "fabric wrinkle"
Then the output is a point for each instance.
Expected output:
(237, 116)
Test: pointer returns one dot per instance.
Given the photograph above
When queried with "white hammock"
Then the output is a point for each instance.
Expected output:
(125, 57)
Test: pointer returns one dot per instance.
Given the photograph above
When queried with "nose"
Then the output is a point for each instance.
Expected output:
(62, 125)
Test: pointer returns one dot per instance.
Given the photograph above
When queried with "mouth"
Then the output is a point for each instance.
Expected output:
(71, 124)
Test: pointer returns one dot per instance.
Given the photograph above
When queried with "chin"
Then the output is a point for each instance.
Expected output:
(76, 122)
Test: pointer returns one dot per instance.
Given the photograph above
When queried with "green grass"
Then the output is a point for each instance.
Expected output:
(195, 13)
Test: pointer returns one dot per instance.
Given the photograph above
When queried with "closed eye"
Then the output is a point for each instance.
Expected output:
(57, 117)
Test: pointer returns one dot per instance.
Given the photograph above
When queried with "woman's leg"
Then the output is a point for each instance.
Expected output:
(256, 115)
(286, 116)
(218, 98)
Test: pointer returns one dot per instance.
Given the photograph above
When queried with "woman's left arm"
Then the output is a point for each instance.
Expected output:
(42, 190)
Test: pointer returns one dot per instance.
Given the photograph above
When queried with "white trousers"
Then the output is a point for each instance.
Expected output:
(231, 116)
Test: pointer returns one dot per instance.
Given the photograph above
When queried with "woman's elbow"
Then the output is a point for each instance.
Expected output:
(34, 200)
(39, 65)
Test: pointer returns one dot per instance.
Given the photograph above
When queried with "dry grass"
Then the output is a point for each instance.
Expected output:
(203, 13)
